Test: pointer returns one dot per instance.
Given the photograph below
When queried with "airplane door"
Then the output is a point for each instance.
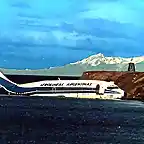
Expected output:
(97, 88)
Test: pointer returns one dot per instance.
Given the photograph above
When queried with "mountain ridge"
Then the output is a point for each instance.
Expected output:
(109, 60)
(96, 62)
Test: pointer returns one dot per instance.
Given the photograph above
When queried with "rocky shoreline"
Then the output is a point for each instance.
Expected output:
(131, 82)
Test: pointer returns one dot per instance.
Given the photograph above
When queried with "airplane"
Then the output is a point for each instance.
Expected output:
(68, 88)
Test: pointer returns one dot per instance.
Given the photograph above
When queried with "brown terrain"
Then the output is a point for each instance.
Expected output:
(131, 82)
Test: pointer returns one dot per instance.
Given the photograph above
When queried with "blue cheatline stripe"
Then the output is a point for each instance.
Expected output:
(14, 88)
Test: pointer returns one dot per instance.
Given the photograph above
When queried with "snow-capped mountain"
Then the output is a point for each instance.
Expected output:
(96, 62)
(98, 59)
(99, 62)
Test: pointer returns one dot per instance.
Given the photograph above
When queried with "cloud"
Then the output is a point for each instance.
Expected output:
(129, 11)
(20, 4)
(70, 30)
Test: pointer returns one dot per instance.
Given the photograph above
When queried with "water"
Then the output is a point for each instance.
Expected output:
(70, 121)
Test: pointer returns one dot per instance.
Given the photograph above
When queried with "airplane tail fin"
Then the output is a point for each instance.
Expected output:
(4, 78)
(12, 87)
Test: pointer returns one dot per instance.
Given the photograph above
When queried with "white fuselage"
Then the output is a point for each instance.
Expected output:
(78, 89)
(66, 88)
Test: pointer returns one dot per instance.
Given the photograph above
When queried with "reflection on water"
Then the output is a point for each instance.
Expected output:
(70, 121)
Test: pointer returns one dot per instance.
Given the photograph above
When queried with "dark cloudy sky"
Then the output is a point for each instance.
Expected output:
(44, 33)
